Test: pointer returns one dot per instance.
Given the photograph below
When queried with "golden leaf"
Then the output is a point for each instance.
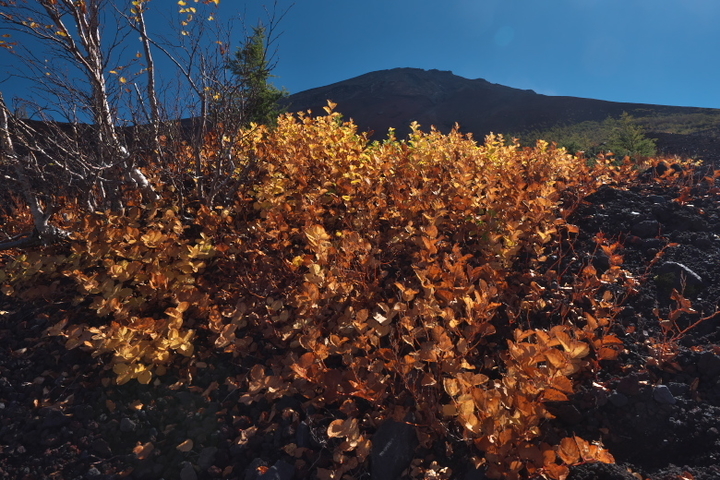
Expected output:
(144, 377)
(143, 451)
(568, 451)
(185, 446)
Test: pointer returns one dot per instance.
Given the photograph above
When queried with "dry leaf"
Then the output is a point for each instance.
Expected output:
(143, 451)
(185, 446)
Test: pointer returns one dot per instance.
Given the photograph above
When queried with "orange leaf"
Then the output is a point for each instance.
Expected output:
(143, 451)
(557, 472)
(599, 454)
(185, 446)
(568, 451)
(552, 395)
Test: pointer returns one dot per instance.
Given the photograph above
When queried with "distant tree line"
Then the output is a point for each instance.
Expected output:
(620, 136)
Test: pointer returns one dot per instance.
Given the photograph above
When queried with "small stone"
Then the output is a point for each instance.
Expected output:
(252, 472)
(55, 419)
(709, 365)
(657, 198)
(101, 447)
(601, 398)
(646, 228)
(475, 474)
(618, 399)
(93, 472)
(678, 389)
(653, 243)
(629, 386)
(280, 471)
(127, 425)
(188, 473)
(207, 457)
(393, 448)
(302, 435)
(569, 414)
(601, 261)
(682, 276)
(83, 412)
(703, 243)
(662, 394)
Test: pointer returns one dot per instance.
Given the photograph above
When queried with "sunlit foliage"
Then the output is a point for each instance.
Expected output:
(414, 274)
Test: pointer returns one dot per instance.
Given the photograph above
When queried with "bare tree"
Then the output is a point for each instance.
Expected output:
(99, 115)
(71, 30)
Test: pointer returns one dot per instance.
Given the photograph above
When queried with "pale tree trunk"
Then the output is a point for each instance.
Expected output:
(43, 233)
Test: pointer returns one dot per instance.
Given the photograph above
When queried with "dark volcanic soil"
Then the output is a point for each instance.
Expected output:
(657, 409)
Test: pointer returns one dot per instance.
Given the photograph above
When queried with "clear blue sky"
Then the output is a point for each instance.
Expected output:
(645, 51)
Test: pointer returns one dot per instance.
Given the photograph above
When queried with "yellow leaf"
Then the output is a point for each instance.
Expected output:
(330, 106)
(123, 80)
(344, 429)
(144, 377)
(182, 3)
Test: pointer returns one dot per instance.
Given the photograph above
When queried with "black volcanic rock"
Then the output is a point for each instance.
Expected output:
(379, 100)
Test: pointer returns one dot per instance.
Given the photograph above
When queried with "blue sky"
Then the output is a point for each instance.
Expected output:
(645, 51)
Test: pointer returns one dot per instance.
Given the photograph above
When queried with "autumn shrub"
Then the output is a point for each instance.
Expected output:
(414, 274)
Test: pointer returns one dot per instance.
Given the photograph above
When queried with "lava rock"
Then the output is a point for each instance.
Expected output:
(188, 473)
(629, 386)
(657, 198)
(83, 412)
(655, 243)
(618, 399)
(251, 472)
(392, 450)
(703, 243)
(127, 425)
(281, 470)
(475, 474)
(54, 419)
(674, 275)
(662, 394)
(101, 447)
(207, 457)
(709, 365)
(302, 435)
(646, 228)
(569, 414)
(678, 389)
(598, 471)
(93, 472)
(601, 261)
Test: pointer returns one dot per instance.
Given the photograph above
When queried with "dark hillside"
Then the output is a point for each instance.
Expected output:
(379, 100)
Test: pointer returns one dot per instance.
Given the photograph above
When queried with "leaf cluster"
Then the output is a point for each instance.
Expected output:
(413, 276)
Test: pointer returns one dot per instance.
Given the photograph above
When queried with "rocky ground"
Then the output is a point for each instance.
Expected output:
(657, 408)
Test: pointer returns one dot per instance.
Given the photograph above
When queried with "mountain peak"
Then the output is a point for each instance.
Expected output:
(379, 100)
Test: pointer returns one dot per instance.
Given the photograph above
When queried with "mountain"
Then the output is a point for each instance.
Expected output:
(379, 100)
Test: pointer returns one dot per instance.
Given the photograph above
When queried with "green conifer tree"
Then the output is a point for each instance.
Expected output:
(628, 138)
(255, 98)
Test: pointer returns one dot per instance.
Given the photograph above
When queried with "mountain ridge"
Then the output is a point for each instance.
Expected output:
(379, 100)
